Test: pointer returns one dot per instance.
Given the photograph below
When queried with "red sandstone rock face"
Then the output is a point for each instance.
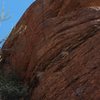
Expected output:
(55, 47)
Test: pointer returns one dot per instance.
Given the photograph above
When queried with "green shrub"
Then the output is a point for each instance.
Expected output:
(11, 87)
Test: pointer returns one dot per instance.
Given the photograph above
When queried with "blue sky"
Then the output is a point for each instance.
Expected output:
(14, 9)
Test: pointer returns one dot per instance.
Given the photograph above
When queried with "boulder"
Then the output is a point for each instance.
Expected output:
(55, 48)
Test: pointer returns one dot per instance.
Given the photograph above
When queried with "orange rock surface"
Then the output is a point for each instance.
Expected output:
(55, 48)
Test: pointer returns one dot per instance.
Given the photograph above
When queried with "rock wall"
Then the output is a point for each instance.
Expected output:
(55, 48)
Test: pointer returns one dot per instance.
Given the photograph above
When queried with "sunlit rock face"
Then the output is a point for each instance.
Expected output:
(55, 48)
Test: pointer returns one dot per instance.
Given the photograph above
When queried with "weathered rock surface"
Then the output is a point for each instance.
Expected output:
(55, 48)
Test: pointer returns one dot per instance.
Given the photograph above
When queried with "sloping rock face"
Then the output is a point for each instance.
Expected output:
(55, 48)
